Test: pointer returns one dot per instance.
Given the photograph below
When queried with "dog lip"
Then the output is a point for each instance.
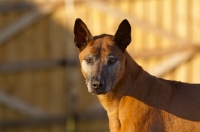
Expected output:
(97, 93)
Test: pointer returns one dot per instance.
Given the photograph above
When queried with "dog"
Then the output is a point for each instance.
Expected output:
(135, 101)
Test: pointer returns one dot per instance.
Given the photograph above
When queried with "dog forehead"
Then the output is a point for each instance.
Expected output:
(101, 42)
(102, 45)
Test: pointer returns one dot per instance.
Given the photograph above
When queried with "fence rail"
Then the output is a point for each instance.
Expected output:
(36, 65)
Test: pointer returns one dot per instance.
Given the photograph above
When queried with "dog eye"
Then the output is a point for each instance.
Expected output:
(111, 61)
(89, 60)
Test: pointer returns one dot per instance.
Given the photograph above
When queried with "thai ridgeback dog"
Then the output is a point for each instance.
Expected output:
(135, 101)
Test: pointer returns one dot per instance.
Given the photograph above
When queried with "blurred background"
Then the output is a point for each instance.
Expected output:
(41, 86)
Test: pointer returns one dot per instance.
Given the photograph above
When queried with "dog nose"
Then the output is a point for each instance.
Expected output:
(97, 84)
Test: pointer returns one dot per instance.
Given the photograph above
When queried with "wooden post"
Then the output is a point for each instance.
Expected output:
(72, 72)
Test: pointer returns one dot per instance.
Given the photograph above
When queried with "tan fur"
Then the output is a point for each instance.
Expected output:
(140, 102)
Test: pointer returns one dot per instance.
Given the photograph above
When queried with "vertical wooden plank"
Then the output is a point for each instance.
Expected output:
(62, 71)
(40, 78)
(181, 27)
(146, 35)
(57, 75)
(41, 53)
(163, 18)
(11, 79)
(196, 20)
(96, 27)
(124, 6)
(181, 31)
(195, 66)
(196, 39)
(137, 40)
(170, 13)
(103, 24)
(189, 22)
(151, 39)
(168, 20)
(2, 59)
(2, 47)
(26, 53)
(167, 16)
(111, 25)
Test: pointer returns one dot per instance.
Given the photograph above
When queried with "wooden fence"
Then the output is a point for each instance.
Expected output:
(41, 87)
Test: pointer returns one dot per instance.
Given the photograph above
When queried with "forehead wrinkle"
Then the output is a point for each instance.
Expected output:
(104, 49)
(107, 46)
(95, 46)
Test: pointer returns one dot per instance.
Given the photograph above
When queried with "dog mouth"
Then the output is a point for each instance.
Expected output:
(98, 92)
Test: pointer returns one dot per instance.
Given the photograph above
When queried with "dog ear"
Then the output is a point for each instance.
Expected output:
(123, 35)
(81, 34)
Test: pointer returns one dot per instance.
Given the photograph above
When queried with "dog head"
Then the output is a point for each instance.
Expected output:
(102, 57)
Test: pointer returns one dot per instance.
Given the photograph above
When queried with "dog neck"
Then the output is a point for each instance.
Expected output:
(112, 100)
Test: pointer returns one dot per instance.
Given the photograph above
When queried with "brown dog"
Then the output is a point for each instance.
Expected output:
(135, 101)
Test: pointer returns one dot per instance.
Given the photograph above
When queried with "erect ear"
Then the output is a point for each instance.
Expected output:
(81, 34)
(123, 35)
